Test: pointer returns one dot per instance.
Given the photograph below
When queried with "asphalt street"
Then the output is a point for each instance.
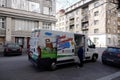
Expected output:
(19, 68)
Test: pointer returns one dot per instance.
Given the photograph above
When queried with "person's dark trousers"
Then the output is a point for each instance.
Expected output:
(81, 63)
(80, 55)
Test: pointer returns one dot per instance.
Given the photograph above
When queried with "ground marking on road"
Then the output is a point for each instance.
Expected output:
(110, 77)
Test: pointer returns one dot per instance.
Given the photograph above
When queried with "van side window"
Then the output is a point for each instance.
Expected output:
(90, 44)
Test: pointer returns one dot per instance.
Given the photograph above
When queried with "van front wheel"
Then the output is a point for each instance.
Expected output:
(53, 66)
(94, 58)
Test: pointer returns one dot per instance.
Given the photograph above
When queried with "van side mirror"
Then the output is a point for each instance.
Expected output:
(94, 46)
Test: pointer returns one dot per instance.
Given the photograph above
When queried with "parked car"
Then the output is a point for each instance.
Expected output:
(111, 56)
(12, 48)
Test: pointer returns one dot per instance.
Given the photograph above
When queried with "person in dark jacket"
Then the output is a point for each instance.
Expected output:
(80, 54)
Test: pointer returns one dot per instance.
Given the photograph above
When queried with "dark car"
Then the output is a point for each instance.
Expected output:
(111, 56)
(12, 48)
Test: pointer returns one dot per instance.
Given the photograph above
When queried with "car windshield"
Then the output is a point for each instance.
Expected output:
(114, 50)
(13, 45)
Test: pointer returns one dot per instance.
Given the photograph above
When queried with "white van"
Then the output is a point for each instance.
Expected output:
(51, 48)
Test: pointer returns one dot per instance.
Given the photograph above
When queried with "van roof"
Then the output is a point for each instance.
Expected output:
(38, 30)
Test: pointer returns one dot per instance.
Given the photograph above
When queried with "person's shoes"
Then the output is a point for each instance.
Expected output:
(78, 67)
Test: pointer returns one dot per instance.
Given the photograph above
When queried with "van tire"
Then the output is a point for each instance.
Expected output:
(53, 66)
(103, 62)
(4, 53)
(94, 58)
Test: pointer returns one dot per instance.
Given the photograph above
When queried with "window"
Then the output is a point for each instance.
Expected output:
(96, 4)
(90, 43)
(25, 25)
(2, 22)
(96, 13)
(3, 3)
(85, 32)
(96, 30)
(33, 7)
(109, 40)
(71, 26)
(46, 25)
(95, 40)
(96, 22)
(47, 10)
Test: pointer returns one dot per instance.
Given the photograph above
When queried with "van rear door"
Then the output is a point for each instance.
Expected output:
(33, 46)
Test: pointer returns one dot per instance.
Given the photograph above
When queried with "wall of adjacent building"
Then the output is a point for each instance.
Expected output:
(102, 26)
(19, 17)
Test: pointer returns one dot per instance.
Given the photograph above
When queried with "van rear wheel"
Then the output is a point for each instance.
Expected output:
(53, 66)
(94, 58)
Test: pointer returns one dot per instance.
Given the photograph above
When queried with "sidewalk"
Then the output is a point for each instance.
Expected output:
(115, 76)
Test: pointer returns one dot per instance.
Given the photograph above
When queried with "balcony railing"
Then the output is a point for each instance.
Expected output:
(21, 33)
(71, 22)
(84, 19)
(85, 26)
(71, 30)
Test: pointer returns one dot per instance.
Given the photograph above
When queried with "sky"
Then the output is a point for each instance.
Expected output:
(62, 4)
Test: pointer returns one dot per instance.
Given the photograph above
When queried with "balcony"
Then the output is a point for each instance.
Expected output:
(71, 21)
(2, 32)
(85, 11)
(71, 28)
(118, 29)
(85, 26)
(85, 19)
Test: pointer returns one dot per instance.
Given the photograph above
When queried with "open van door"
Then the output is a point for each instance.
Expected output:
(79, 40)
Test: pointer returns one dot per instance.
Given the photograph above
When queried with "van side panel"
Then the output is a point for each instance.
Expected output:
(47, 42)
(65, 46)
(54, 46)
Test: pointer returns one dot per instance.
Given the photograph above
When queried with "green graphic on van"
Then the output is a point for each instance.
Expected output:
(48, 53)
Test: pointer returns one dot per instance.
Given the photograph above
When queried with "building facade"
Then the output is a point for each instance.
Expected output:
(95, 18)
(19, 17)
(119, 28)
